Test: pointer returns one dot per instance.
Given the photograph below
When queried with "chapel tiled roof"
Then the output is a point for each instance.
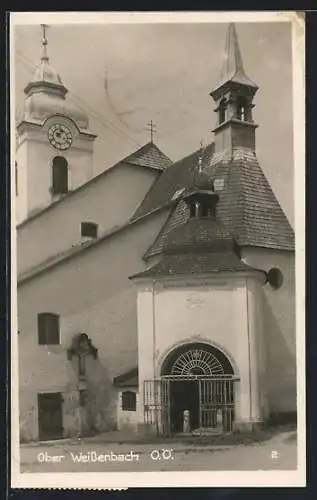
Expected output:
(197, 263)
(247, 202)
(150, 156)
(199, 234)
(201, 245)
(247, 205)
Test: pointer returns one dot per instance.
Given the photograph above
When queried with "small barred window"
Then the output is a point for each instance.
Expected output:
(129, 401)
(89, 230)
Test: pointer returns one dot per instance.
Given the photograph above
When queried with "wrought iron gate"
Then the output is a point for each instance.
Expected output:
(216, 402)
(216, 408)
(156, 397)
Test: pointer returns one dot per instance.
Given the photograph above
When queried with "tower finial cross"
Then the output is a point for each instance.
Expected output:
(44, 41)
(151, 127)
(200, 158)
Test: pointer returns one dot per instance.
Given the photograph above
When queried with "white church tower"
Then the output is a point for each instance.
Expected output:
(54, 144)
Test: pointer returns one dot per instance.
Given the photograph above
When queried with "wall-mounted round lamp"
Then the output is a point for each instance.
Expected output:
(275, 278)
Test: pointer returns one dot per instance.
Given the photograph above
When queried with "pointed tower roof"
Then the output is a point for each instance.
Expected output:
(232, 68)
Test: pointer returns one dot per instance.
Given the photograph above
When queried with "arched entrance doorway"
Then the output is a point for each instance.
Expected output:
(197, 388)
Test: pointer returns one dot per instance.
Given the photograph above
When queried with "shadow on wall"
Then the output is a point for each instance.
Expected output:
(90, 403)
(281, 364)
(101, 404)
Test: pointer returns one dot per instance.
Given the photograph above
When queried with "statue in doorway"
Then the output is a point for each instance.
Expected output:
(186, 421)
(219, 419)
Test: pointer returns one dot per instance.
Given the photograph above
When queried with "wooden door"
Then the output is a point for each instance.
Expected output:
(50, 415)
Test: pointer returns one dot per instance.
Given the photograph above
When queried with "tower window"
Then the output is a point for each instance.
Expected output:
(195, 209)
(60, 175)
(192, 210)
(222, 111)
(204, 210)
(242, 110)
(128, 401)
(199, 209)
(48, 329)
(89, 230)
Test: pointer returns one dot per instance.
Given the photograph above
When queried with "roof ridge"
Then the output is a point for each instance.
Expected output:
(148, 252)
(176, 180)
(139, 157)
(141, 148)
(196, 152)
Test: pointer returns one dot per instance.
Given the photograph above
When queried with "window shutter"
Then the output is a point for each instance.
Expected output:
(41, 329)
(48, 329)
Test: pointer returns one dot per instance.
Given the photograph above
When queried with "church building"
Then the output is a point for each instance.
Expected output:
(157, 296)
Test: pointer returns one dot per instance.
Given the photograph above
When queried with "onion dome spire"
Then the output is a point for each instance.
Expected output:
(45, 94)
(45, 77)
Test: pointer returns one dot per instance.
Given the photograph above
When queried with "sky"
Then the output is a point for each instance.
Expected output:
(126, 75)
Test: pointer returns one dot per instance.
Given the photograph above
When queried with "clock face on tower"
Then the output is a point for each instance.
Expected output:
(60, 136)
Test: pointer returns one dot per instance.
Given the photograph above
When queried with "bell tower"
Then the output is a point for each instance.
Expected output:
(233, 96)
(54, 146)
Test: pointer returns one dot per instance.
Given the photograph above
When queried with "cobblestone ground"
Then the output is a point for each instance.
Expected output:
(279, 453)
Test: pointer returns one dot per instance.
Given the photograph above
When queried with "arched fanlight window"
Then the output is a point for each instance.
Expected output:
(197, 359)
(59, 175)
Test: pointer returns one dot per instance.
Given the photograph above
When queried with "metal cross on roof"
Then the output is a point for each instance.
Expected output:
(200, 158)
(151, 127)
(44, 40)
